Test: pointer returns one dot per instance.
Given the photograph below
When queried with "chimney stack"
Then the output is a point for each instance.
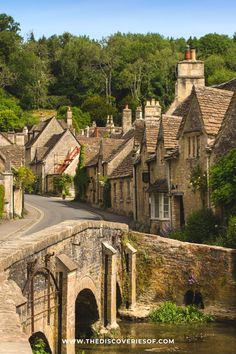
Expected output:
(139, 113)
(152, 109)
(193, 54)
(126, 119)
(69, 119)
(187, 53)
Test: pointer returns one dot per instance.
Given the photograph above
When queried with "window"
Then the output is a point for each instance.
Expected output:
(193, 146)
(160, 206)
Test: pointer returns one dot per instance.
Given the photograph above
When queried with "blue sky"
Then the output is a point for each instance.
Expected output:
(99, 18)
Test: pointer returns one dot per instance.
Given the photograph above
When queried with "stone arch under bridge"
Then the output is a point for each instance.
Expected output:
(73, 266)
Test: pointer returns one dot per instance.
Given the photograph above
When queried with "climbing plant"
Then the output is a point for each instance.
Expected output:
(62, 184)
(105, 183)
(24, 178)
(81, 178)
(198, 181)
(2, 195)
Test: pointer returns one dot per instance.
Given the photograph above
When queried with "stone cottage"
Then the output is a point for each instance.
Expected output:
(194, 127)
(52, 149)
(11, 157)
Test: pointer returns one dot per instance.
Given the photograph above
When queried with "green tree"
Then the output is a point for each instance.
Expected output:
(24, 178)
(9, 36)
(98, 109)
(223, 182)
(80, 119)
(62, 184)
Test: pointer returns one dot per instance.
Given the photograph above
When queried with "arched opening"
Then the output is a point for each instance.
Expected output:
(39, 343)
(118, 298)
(194, 298)
(86, 314)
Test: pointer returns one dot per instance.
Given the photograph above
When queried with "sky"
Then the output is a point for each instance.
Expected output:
(100, 18)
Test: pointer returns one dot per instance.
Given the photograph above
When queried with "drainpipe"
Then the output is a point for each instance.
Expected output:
(208, 153)
(169, 185)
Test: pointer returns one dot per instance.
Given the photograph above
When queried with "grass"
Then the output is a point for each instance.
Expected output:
(169, 312)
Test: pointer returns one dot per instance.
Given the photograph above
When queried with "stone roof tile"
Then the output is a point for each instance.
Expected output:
(125, 168)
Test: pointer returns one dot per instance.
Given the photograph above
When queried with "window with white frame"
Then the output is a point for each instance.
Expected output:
(160, 206)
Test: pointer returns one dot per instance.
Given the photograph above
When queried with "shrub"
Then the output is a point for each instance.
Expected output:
(201, 226)
(39, 347)
(2, 196)
(169, 312)
(230, 237)
(62, 184)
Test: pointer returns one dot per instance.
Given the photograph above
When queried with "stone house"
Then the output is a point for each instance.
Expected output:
(11, 157)
(189, 134)
(52, 149)
(147, 130)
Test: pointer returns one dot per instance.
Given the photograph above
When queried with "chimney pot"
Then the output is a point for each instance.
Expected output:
(193, 54)
(187, 53)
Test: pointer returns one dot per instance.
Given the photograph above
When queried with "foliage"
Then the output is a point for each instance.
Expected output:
(12, 117)
(2, 196)
(229, 239)
(169, 312)
(105, 183)
(201, 225)
(24, 178)
(39, 347)
(198, 179)
(223, 182)
(79, 71)
(81, 179)
(62, 184)
(80, 119)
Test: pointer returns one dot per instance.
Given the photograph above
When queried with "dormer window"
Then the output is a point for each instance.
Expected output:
(193, 146)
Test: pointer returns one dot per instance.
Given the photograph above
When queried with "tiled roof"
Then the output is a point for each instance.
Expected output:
(110, 147)
(14, 154)
(91, 149)
(213, 104)
(6, 137)
(39, 128)
(229, 85)
(151, 134)
(139, 131)
(170, 127)
(43, 151)
(125, 168)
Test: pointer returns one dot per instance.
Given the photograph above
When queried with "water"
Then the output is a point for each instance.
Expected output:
(213, 338)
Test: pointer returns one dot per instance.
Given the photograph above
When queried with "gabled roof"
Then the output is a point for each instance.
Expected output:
(229, 85)
(169, 128)
(125, 168)
(151, 134)
(6, 137)
(110, 147)
(91, 149)
(38, 128)
(14, 154)
(213, 104)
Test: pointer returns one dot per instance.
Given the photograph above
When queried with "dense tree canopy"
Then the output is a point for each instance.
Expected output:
(101, 76)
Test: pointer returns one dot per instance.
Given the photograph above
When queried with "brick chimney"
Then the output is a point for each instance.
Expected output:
(190, 72)
(69, 119)
(126, 119)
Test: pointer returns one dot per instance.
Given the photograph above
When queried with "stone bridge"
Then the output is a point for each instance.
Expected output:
(65, 280)
(67, 277)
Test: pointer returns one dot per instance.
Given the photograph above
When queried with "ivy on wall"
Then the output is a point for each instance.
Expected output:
(81, 178)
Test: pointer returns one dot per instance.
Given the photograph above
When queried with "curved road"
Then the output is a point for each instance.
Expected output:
(56, 210)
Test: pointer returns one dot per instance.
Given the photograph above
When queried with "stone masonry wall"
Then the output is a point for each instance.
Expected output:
(163, 267)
